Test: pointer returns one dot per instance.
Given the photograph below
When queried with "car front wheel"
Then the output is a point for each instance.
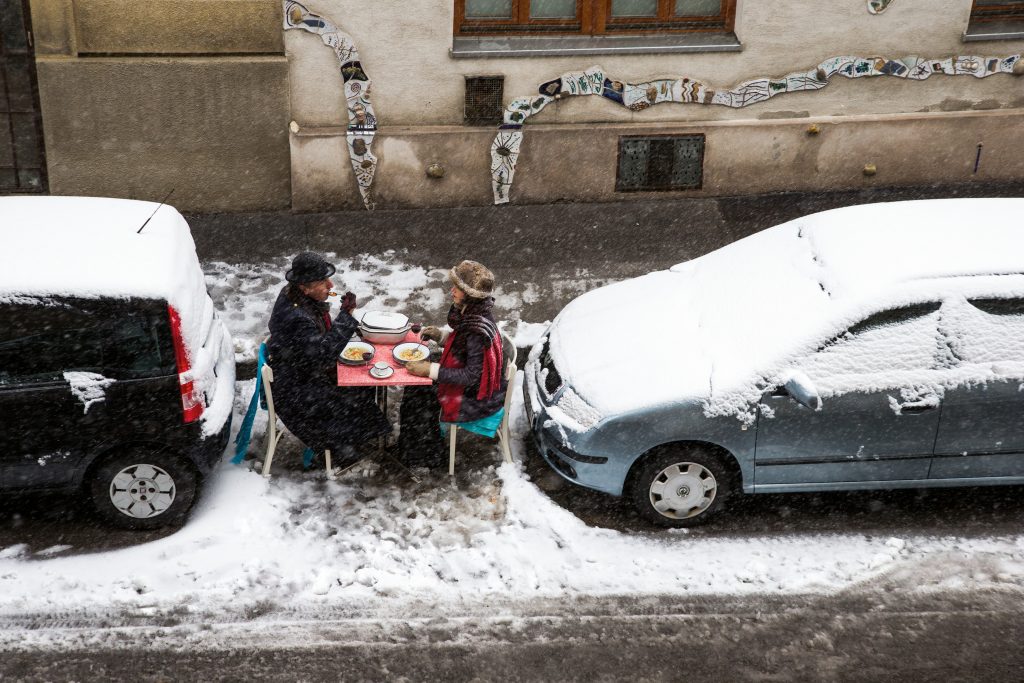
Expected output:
(143, 490)
(681, 488)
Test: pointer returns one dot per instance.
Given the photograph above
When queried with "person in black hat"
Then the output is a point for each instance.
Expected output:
(303, 351)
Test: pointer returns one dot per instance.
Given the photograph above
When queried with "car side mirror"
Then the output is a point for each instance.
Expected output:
(802, 389)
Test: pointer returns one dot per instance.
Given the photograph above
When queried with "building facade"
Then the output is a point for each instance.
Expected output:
(421, 103)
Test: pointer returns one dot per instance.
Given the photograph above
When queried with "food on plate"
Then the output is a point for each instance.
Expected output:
(411, 354)
(353, 353)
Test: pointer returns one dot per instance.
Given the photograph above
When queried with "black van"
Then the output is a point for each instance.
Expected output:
(113, 395)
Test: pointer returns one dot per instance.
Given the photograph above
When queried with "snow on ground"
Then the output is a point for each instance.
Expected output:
(372, 539)
(245, 294)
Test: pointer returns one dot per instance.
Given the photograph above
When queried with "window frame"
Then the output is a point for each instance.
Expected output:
(593, 18)
(984, 12)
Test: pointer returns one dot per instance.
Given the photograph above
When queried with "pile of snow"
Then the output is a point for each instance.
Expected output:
(245, 295)
(88, 387)
(719, 326)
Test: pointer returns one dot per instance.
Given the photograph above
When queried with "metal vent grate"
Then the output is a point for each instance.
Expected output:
(660, 163)
(484, 95)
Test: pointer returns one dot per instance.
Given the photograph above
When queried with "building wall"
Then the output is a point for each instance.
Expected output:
(139, 98)
(913, 131)
(196, 95)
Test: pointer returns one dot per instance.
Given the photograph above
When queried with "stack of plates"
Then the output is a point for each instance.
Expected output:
(384, 321)
(383, 327)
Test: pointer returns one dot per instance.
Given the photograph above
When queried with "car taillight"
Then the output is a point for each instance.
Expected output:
(191, 401)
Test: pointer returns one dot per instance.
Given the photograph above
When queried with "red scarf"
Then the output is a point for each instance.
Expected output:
(463, 324)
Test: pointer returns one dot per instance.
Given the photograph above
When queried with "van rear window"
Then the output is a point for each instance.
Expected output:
(41, 340)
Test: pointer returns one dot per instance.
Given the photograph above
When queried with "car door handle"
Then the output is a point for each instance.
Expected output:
(915, 409)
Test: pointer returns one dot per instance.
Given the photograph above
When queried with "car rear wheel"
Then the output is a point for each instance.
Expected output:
(143, 490)
(681, 488)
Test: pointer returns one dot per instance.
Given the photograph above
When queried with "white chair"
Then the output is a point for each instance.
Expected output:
(502, 435)
(273, 433)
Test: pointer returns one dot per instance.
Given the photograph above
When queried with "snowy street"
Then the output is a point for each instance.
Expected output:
(298, 562)
(511, 340)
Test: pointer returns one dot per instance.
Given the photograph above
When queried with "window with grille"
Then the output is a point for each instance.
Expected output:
(22, 164)
(673, 162)
(484, 96)
(995, 19)
(591, 17)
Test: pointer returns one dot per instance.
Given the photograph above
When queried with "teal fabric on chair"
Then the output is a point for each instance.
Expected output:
(245, 431)
(259, 399)
(485, 426)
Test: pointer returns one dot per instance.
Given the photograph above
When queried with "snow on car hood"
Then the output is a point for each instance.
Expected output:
(715, 328)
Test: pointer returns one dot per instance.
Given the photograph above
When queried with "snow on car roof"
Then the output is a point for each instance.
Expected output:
(861, 249)
(711, 328)
(89, 247)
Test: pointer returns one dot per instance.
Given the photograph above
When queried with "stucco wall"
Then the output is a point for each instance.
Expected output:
(215, 130)
(128, 111)
(914, 131)
(136, 100)
(404, 48)
(577, 162)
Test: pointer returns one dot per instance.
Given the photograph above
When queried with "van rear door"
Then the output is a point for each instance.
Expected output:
(46, 428)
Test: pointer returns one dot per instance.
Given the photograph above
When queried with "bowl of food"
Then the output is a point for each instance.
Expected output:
(356, 353)
(410, 351)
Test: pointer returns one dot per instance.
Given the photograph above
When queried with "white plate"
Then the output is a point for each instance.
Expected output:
(397, 351)
(384, 320)
(364, 348)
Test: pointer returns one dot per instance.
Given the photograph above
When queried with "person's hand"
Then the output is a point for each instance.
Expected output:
(431, 332)
(348, 302)
(420, 368)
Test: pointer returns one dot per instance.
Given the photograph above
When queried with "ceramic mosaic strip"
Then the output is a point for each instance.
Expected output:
(878, 6)
(640, 96)
(504, 154)
(362, 122)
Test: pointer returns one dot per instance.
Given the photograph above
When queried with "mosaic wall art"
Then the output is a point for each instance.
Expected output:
(878, 6)
(640, 96)
(362, 122)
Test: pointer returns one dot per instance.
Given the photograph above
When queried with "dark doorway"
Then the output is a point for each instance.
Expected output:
(22, 159)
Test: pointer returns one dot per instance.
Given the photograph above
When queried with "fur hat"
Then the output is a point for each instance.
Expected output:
(307, 267)
(473, 278)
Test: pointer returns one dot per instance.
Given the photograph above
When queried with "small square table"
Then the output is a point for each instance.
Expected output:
(359, 375)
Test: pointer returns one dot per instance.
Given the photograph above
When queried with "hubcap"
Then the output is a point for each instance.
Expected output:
(142, 491)
(683, 490)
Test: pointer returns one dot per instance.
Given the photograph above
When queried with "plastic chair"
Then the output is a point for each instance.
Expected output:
(273, 433)
(508, 350)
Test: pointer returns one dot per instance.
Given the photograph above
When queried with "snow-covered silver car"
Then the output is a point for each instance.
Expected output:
(873, 346)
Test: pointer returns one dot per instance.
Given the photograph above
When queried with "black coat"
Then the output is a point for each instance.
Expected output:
(303, 352)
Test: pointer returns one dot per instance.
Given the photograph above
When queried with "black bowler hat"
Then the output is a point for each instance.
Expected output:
(309, 266)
